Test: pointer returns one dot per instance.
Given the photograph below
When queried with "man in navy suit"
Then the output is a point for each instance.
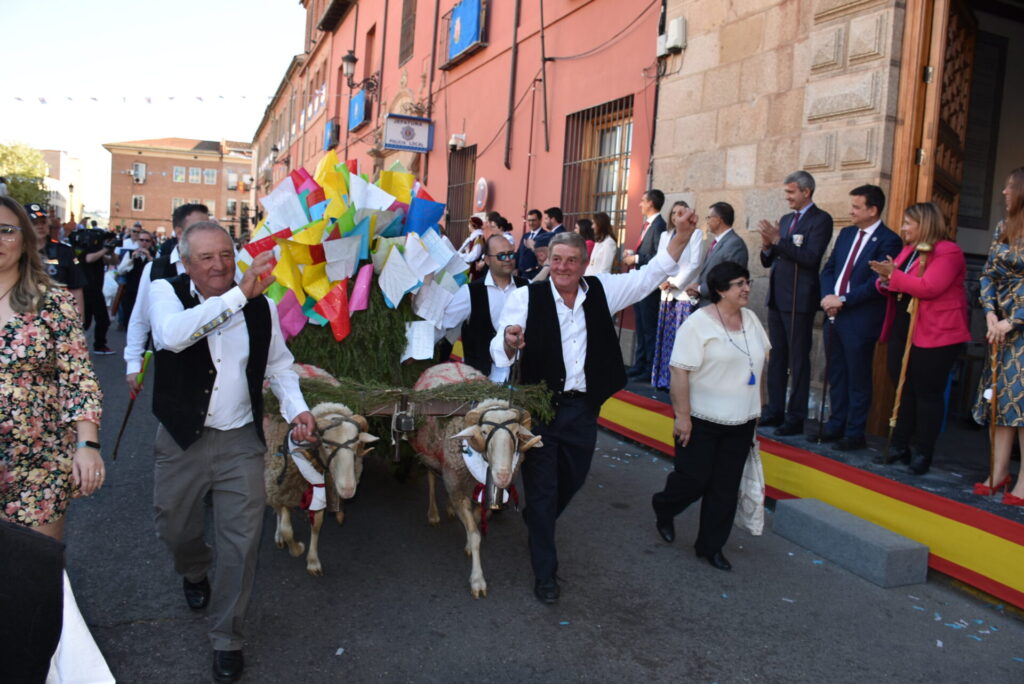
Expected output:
(645, 312)
(792, 249)
(854, 313)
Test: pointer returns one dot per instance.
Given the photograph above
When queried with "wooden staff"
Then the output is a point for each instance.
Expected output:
(993, 401)
(923, 249)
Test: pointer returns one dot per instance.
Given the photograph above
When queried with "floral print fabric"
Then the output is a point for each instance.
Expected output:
(47, 384)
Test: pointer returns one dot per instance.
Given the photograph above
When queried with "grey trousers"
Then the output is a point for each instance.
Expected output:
(230, 464)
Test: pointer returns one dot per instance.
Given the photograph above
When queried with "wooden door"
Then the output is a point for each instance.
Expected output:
(931, 130)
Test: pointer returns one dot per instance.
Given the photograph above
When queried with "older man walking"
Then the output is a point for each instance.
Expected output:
(216, 342)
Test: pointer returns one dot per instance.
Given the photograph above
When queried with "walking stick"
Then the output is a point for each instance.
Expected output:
(131, 401)
(829, 322)
(992, 419)
(912, 307)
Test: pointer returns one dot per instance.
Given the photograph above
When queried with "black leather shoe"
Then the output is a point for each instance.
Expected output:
(827, 436)
(901, 454)
(850, 444)
(787, 429)
(770, 421)
(919, 463)
(547, 591)
(717, 560)
(197, 594)
(666, 528)
(227, 666)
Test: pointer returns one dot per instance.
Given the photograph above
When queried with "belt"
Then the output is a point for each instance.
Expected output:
(573, 394)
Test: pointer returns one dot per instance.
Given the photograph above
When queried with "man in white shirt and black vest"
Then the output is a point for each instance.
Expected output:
(563, 331)
(216, 342)
(477, 307)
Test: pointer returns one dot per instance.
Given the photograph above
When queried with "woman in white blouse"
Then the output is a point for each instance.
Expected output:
(603, 255)
(717, 363)
(675, 303)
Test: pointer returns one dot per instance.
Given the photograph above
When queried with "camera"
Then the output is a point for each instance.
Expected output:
(89, 240)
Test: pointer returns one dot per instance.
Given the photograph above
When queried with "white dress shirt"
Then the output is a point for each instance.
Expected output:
(461, 306)
(863, 243)
(138, 324)
(220, 321)
(689, 265)
(603, 257)
(620, 289)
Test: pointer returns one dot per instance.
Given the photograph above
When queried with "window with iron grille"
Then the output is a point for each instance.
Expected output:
(595, 173)
(461, 181)
(405, 45)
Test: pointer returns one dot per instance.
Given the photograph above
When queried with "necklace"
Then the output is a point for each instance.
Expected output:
(746, 352)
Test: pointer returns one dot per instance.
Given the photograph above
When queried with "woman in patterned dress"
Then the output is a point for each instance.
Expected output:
(49, 397)
(675, 303)
(1002, 297)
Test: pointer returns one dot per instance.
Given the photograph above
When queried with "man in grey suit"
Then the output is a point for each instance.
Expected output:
(726, 245)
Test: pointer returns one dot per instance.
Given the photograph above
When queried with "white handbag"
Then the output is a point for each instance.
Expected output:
(750, 506)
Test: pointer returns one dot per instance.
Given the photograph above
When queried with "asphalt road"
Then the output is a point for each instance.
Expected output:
(394, 604)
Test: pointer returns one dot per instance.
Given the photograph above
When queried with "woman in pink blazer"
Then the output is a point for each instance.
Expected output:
(939, 331)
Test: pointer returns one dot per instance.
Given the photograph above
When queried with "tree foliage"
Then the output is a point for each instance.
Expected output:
(24, 168)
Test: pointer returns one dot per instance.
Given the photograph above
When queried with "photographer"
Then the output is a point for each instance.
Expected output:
(132, 265)
(95, 249)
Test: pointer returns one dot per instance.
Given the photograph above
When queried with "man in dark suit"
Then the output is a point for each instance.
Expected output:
(726, 245)
(792, 249)
(854, 311)
(525, 258)
(645, 312)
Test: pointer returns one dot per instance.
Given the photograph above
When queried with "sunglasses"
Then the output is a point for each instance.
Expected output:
(9, 233)
(504, 256)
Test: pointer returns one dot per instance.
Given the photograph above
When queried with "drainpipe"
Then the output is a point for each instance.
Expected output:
(512, 87)
(544, 78)
(430, 87)
(657, 93)
(355, 32)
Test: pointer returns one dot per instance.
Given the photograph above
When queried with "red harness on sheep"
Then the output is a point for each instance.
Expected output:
(480, 489)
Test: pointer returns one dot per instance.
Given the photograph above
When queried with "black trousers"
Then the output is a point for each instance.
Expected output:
(709, 467)
(787, 365)
(922, 405)
(96, 307)
(646, 314)
(553, 473)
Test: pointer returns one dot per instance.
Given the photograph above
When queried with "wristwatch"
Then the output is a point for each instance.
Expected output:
(88, 443)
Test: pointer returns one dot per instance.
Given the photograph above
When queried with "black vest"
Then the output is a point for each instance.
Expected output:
(162, 268)
(478, 330)
(542, 359)
(183, 380)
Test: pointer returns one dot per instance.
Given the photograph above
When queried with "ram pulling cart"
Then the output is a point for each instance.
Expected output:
(363, 275)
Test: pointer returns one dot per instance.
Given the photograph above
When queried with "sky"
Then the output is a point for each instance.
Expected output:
(107, 71)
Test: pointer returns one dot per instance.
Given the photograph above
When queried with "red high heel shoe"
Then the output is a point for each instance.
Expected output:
(982, 489)
(1011, 500)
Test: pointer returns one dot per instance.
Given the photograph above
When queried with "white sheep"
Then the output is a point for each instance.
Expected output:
(338, 456)
(492, 428)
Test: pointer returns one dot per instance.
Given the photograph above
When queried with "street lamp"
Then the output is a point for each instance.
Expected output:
(348, 68)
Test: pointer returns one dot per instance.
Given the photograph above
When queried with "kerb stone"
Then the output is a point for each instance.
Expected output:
(865, 549)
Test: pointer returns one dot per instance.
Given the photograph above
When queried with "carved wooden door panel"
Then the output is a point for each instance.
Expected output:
(954, 98)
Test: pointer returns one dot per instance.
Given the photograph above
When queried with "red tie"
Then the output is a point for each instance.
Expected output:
(647, 224)
(844, 282)
(713, 243)
(792, 224)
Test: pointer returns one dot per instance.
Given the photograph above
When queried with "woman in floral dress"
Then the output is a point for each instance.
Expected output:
(49, 396)
(1002, 297)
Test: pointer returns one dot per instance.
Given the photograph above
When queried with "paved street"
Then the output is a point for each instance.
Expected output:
(394, 604)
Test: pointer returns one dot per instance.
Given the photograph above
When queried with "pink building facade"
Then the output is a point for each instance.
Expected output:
(525, 113)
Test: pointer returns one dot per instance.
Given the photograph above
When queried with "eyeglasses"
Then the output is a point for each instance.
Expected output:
(9, 233)
(504, 256)
(742, 282)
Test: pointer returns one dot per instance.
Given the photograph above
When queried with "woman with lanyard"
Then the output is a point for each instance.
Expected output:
(930, 270)
(717, 364)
